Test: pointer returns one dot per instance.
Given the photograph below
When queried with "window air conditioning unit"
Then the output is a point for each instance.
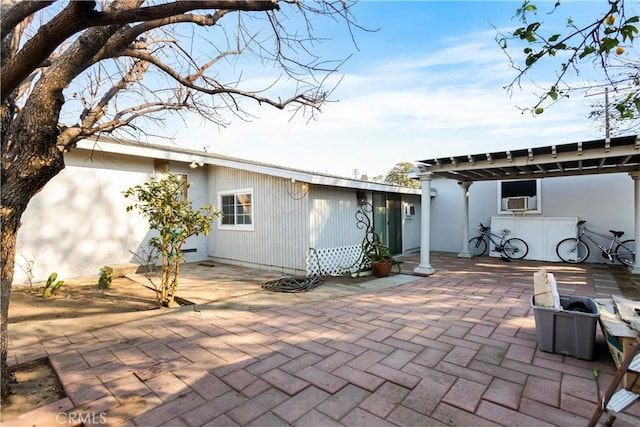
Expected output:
(517, 203)
(409, 210)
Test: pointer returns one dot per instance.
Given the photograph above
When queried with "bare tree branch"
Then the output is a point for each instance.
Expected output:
(218, 89)
(79, 15)
(12, 13)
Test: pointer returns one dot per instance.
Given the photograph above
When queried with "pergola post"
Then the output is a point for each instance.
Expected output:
(424, 267)
(635, 268)
(464, 253)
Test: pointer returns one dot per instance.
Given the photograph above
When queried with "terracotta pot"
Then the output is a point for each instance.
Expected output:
(381, 268)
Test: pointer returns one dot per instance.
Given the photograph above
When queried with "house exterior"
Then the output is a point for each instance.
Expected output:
(293, 221)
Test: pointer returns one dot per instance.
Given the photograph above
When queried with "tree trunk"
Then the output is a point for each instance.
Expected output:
(30, 159)
(31, 156)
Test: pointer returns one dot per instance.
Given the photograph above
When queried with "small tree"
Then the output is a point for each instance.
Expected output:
(164, 204)
(399, 175)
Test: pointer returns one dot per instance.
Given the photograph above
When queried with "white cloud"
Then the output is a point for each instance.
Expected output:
(446, 102)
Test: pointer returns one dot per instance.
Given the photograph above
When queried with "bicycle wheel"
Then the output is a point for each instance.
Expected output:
(515, 248)
(477, 246)
(572, 250)
(625, 252)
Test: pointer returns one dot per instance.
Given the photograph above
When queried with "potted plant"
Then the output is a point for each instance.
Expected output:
(379, 255)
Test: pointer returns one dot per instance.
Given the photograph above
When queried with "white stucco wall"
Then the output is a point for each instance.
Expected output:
(411, 226)
(78, 223)
(605, 201)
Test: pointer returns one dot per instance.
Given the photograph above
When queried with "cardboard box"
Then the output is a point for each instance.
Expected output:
(620, 338)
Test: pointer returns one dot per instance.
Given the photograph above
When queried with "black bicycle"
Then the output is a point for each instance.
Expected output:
(513, 248)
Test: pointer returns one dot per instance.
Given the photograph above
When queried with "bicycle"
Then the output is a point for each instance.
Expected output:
(574, 250)
(514, 248)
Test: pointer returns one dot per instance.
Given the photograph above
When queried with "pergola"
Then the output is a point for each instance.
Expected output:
(611, 155)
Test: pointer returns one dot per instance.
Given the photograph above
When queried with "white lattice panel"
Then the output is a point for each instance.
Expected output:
(334, 261)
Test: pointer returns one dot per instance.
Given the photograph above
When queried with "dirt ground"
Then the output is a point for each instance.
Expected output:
(79, 298)
(35, 383)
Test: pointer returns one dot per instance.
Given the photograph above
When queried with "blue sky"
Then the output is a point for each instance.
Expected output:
(428, 84)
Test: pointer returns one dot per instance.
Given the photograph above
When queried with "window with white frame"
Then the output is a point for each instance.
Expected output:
(237, 209)
(522, 196)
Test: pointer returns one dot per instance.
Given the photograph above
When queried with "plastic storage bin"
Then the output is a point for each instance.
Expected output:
(571, 331)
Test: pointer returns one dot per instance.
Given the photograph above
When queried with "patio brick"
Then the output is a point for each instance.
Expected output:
(299, 363)
(504, 393)
(169, 410)
(221, 421)
(298, 405)
(85, 391)
(239, 379)
(99, 357)
(322, 379)
(466, 373)
(520, 353)
(128, 386)
(505, 416)
(394, 375)
(255, 388)
(212, 409)
(359, 378)
(398, 358)
(202, 382)
(452, 416)
(334, 361)
(403, 416)
(366, 359)
(380, 334)
(359, 418)
(375, 346)
(167, 387)
(460, 356)
(464, 394)
(339, 404)
(284, 381)
(543, 390)
(255, 407)
(384, 399)
(314, 419)
(498, 371)
(267, 364)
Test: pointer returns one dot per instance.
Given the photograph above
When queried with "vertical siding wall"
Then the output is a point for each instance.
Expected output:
(605, 201)
(333, 218)
(78, 223)
(280, 237)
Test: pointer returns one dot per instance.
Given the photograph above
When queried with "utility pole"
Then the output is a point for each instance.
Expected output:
(607, 126)
(607, 116)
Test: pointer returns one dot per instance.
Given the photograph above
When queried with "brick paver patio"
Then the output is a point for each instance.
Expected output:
(456, 348)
